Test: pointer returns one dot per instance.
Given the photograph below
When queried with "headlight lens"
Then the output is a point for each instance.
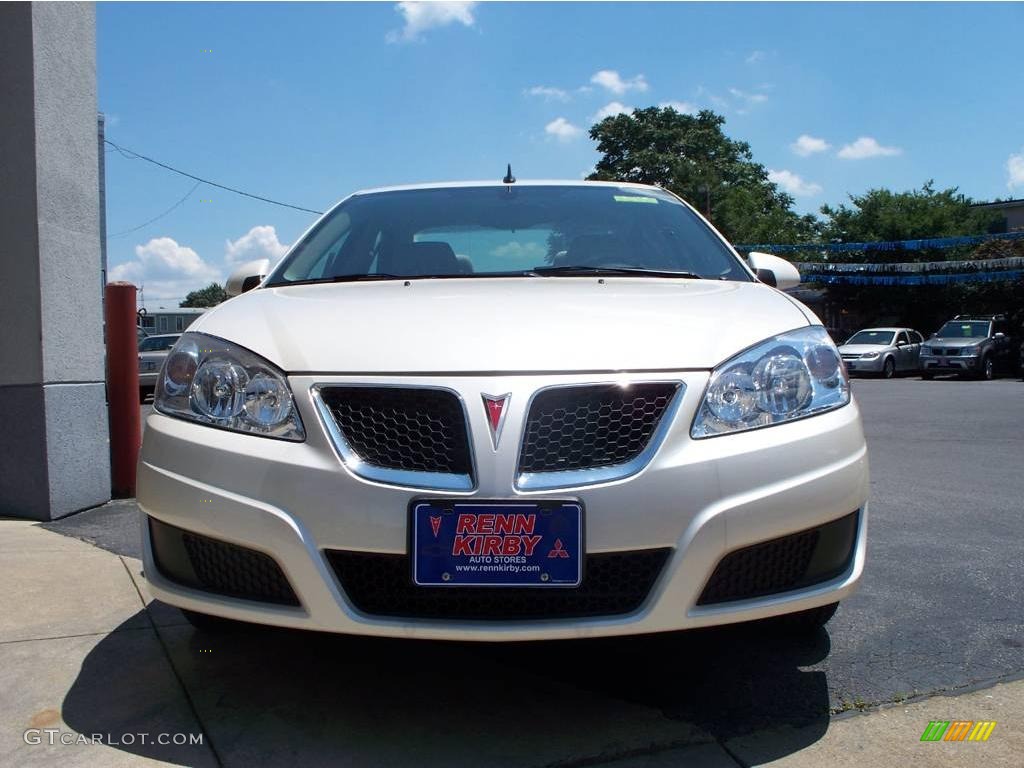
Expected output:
(787, 377)
(869, 356)
(208, 380)
(969, 352)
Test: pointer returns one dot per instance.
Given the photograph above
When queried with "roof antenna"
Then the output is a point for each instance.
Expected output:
(509, 178)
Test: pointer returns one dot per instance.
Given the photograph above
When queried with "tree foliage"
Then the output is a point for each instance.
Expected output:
(881, 214)
(692, 156)
(210, 296)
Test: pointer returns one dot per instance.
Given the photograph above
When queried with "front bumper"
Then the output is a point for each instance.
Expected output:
(958, 364)
(864, 365)
(698, 500)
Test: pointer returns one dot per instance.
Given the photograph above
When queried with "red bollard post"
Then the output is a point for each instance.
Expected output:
(123, 387)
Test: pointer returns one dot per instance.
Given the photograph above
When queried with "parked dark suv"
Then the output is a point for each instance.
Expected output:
(978, 345)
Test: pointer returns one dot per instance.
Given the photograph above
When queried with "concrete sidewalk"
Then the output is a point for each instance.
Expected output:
(84, 651)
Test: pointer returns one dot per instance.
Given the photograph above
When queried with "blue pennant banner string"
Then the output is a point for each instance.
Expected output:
(912, 279)
(891, 245)
(904, 267)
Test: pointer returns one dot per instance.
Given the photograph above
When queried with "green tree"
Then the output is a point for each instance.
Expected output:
(210, 296)
(881, 214)
(693, 157)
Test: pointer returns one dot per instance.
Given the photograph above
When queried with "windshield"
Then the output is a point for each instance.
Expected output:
(157, 343)
(872, 337)
(964, 329)
(487, 231)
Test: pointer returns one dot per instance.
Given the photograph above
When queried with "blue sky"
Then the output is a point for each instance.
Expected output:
(305, 103)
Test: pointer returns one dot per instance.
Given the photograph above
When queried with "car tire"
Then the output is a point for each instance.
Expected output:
(213, 625)
(806, 622)
(925, 376)
(988, 368)
(888, 368)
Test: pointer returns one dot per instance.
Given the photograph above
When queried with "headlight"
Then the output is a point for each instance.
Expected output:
(787, 377)
(869, 356)
(211, 381)
(969, 352)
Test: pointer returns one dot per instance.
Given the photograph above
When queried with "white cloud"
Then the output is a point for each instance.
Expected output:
(793, 184)
(1015, 171)
(755, 57)
(865, 147)
(421, 16)
(612, 81)
(749, 98)
(547, 93)
(562, 129)
(260, 242)
(167, 269)
(611, 109)
(808, 145)
(682, 107)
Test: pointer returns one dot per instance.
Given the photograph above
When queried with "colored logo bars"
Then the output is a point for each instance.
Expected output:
(958, 730)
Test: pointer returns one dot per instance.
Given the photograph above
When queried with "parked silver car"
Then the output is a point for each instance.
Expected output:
(152, 353)
(887, 351)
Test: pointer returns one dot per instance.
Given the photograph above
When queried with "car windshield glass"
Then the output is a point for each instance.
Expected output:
(157, 343)
(964, 329)
(491, 231)
(872, 337)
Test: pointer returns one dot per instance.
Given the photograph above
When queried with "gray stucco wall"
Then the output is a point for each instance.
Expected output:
(54, 450)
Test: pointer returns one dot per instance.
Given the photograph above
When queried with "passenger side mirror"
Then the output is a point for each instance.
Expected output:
(773, 271)
(247, 276)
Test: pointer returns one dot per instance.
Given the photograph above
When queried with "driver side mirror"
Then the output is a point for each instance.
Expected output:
(773, 271)
(999, 335)
(247, 276)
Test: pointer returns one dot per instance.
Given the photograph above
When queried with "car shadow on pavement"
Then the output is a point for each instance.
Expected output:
(269, 696)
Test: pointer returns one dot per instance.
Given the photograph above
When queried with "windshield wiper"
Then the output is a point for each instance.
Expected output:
(569, 270)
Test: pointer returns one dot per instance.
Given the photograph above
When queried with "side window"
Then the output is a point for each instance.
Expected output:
(903, 338)
(179, 324)
(916, 337)
(163, 323)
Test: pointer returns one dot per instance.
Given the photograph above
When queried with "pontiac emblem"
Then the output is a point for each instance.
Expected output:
(495, 407)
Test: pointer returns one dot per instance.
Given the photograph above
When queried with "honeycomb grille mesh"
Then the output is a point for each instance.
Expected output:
(572, 428)
(762, 569)
(614, 583)
(421, 430)
(228, 569)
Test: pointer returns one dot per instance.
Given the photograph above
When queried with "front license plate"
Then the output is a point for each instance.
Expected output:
(497, 544)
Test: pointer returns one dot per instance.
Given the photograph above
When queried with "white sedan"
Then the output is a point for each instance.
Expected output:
(885, 351)
(506, 411)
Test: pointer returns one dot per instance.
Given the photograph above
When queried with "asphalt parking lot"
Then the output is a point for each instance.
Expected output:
(940, 609)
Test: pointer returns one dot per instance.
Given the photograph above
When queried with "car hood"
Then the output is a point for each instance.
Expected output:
(497, 325)
(958, 341)
(860, 349)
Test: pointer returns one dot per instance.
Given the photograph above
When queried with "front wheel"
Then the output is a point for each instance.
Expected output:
(889, 368)
(988, 368)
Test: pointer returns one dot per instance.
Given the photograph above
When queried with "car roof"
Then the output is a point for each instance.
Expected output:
(517, 183)
(163, 335)
(884, 329)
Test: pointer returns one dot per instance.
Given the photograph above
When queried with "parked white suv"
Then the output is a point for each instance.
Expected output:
(506, 411)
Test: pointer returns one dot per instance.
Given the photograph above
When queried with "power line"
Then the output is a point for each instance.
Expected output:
(157, 218)
(131, 155)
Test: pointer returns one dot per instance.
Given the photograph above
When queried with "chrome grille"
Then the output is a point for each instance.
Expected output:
(405, 435)
(582, 429)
